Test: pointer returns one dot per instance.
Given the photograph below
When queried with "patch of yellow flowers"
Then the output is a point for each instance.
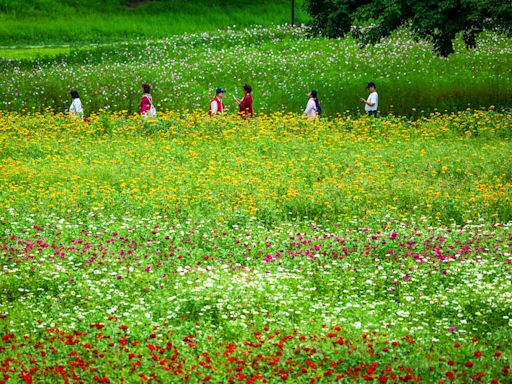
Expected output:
(186, 164)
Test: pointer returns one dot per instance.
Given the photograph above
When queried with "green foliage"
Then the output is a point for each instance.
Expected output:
(441, 21)
(53, 22)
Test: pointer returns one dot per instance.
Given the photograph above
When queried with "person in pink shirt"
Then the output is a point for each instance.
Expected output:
(146, 103)
(245, 104)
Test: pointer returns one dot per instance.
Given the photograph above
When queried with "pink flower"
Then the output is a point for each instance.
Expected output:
(119, 277)
(148, 269)
(406, 277)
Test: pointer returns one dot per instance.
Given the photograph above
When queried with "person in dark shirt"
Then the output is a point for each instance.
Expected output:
(245, 104)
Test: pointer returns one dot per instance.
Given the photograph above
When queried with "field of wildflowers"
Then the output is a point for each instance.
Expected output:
(197, 249)
(282, 65)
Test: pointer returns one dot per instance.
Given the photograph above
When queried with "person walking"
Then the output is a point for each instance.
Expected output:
(313, 106)
(147, 109)
(76, 110)
(245, 104)
(372, 103)
(217, 105)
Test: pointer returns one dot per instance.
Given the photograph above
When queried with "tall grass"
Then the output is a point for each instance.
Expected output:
(52, 23)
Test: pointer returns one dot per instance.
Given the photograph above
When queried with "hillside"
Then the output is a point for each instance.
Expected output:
(57, 22)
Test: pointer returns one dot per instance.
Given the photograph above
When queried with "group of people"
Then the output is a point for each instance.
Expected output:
(313, 108)
(217, 106)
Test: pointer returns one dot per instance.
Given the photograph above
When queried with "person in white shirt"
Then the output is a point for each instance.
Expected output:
(311, 107)
(216, 104)
(372, 103)
(76, 109)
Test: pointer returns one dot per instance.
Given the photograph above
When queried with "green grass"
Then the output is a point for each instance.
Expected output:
(99, 23)
(33, 53)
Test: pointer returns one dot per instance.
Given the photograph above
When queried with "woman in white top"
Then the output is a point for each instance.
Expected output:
(311, 107)
(76, 109)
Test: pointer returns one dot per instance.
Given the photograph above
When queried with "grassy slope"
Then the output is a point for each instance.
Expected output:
(54, 22)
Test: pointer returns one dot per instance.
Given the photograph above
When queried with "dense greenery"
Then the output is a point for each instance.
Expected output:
(442, 21)
(61, 22)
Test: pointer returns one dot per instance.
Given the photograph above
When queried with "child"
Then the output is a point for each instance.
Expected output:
(76, 110)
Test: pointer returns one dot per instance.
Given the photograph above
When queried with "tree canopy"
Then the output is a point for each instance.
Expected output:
(440, 21)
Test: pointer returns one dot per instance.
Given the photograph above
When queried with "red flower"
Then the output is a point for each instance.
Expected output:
(478, 354)
(468, 364)
(123, 327)
(450, 375)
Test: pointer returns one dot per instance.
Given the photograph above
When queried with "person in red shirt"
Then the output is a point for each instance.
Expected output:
(217, 105)
(245, 104)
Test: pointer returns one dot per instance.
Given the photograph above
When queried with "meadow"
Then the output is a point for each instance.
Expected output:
(281, 63)
(77, 23)
(197, 249)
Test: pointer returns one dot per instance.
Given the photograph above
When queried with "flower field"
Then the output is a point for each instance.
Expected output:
(281, 64)
(276, 249)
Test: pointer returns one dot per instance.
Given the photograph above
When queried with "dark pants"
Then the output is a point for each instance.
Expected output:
(372, 113)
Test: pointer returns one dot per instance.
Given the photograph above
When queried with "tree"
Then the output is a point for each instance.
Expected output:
(440, 21)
